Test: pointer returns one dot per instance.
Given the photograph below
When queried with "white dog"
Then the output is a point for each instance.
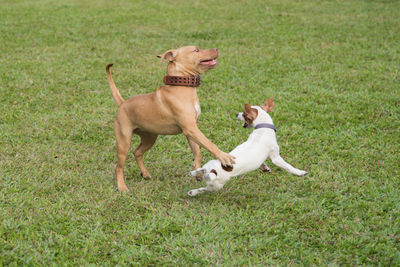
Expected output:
(251, 154)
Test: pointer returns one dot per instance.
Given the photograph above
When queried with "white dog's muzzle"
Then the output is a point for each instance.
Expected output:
(239, 117)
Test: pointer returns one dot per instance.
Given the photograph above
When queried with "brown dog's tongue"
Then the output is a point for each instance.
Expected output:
(209, 62)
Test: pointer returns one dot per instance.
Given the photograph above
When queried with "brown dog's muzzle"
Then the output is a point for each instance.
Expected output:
(210, 60)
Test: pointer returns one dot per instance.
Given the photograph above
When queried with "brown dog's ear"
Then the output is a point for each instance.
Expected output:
(169, 55)
(268, 105)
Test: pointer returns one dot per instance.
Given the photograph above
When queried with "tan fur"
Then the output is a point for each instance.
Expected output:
(169, 110)
(268, 105)
(114, 90)
(249, 113)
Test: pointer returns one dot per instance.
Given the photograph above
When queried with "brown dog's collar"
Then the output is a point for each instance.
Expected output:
(191, 81)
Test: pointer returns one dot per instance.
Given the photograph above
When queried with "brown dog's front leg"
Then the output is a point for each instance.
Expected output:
(196, 153)
(192, 132)
(197, 157)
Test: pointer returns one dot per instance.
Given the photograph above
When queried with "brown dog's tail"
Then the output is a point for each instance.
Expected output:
(114, 90)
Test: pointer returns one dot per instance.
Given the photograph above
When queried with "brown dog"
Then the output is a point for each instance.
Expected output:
(169, 110)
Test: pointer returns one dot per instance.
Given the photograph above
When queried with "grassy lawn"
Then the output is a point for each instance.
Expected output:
(332, 67)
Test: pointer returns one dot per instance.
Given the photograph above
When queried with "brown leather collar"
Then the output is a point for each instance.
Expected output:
(191, 81)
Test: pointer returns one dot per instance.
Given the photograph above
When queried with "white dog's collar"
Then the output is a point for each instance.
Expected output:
(265, 125)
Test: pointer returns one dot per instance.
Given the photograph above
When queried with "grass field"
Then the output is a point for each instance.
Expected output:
(332, 67)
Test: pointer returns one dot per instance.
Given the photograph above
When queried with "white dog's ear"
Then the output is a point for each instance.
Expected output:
(247, 108)
(251, 113)
(268, 105)
(169, 55)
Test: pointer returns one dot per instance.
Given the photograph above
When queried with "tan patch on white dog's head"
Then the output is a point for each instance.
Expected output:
(249, 114)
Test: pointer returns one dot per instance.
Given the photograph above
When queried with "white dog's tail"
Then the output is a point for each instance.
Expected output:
(114, 90)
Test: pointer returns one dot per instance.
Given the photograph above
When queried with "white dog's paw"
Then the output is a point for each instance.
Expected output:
(266, 169)
(192, 193)
(301, 173)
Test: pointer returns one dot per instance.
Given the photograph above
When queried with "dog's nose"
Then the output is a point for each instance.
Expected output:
(237, 114)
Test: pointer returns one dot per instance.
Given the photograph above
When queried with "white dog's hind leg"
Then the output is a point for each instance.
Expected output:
(278, 161)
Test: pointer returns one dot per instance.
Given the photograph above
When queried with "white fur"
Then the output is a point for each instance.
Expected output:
(250, 155)
(198, 109)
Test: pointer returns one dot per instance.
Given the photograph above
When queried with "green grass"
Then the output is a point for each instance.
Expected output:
(332, 67)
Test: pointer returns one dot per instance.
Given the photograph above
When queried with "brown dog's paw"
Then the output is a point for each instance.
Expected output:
(145, 176)
(123, 188)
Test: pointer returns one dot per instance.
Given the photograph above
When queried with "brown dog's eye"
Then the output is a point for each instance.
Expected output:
(197, 50)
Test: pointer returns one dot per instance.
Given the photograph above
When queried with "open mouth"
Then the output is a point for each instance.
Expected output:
(209, 62)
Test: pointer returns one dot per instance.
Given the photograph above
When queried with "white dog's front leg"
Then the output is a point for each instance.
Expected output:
(197, 191)
(209, 188)
(199, 171)
(213, 184)
(278, 161)
(265, 168)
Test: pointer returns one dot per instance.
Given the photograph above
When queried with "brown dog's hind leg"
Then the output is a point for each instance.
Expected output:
(197, 157)
(147, 140)
(123, 136)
